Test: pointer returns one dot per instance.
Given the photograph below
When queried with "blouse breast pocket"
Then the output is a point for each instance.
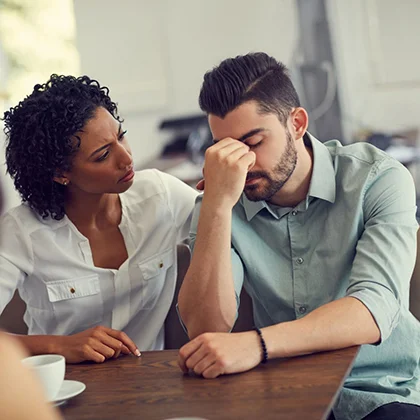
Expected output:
(77, 303)
(154, 271)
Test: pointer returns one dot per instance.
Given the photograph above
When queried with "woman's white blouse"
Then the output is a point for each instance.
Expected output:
(50, 263)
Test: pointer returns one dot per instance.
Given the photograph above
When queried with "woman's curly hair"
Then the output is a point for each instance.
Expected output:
(41, 137)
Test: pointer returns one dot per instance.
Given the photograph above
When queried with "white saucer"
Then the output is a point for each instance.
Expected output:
(68, 390)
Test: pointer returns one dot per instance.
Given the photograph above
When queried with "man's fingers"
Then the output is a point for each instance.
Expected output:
(227, 150)
(203, 364)
(213, 371)
(196, 357)
(181, 364)
(186, 351)
(248, 159)
(237, 155)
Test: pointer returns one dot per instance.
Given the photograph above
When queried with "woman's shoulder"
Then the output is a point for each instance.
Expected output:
(147, 183)
(23, 217)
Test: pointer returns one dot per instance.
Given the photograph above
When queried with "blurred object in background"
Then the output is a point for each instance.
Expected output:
(183, 155)
(402, 146)
(38, 38)
(314, 74)
(189, 135)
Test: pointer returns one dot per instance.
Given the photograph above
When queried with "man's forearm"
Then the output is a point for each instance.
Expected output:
(209, 278)
(342, 323)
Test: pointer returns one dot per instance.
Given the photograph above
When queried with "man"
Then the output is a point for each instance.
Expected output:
(322, 236)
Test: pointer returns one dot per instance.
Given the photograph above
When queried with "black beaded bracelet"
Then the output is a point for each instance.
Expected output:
(263, 346)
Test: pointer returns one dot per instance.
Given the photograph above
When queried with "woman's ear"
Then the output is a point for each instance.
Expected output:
(61, 180)
(299, 120)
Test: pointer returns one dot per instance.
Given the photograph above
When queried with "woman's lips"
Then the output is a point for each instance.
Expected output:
(127, 177)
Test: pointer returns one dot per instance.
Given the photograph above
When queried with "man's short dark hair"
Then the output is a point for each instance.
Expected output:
(254, 76)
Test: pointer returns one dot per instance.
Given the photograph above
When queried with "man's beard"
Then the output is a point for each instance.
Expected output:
(270, 184)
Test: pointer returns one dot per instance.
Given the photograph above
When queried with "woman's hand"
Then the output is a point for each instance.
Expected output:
(96, 344)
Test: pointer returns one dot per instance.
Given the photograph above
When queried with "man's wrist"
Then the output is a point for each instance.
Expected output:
(217, 205)
(263, 346)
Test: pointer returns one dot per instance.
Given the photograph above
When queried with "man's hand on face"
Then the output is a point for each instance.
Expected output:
(214, 354)
(225, 168)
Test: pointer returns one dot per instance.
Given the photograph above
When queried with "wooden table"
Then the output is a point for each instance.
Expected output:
(153, 387)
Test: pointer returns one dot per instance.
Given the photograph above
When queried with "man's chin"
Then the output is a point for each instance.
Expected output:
(256, 193)
(253, 195)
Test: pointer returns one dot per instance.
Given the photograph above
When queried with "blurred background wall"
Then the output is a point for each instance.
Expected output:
(353, 62)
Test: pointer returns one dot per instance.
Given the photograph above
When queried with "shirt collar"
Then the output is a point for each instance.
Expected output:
(322, 183)
(323, 174)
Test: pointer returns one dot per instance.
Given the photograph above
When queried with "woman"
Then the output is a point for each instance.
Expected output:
(92, 249)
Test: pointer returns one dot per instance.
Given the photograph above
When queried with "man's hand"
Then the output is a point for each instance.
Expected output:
(96, 344)
(225, 168)
(214, 354)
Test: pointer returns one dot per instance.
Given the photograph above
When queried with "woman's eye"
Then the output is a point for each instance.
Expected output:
(103, 157)
(121, 136)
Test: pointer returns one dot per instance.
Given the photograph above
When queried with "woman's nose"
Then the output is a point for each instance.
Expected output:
(125, 159)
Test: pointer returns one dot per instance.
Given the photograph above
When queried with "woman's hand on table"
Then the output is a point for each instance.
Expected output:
(96, 344)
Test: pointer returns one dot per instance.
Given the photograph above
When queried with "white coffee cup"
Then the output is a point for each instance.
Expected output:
(50, 370)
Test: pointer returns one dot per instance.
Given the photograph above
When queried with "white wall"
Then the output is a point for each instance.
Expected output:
(163, 48)
(376, 44)
(10, 196)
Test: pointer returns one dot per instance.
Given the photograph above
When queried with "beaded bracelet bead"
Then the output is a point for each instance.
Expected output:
(263, 346)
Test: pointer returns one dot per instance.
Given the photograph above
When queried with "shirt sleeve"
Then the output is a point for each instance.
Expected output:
(181, 199)
(16, 259)
(386, 251)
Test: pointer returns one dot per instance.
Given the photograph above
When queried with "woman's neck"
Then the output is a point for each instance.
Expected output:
(94, 210)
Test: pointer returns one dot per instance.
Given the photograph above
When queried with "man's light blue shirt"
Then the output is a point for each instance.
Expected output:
(353, 235)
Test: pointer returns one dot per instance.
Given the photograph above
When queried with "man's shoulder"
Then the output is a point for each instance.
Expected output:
(359, 152)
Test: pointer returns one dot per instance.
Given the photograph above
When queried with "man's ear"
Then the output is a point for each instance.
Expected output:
(300, 121)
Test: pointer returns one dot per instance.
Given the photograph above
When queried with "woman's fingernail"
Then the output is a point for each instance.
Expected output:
(137, 353)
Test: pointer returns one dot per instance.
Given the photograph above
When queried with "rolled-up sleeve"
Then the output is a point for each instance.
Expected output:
(386, 251)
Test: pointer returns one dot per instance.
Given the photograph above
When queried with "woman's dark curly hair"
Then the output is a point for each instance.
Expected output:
(41, 137)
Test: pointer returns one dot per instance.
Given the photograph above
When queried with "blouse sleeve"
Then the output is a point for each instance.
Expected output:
(16, 257)
(181, 199)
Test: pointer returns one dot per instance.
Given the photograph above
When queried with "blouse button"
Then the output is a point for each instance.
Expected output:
(161, 264)
(72, 290)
